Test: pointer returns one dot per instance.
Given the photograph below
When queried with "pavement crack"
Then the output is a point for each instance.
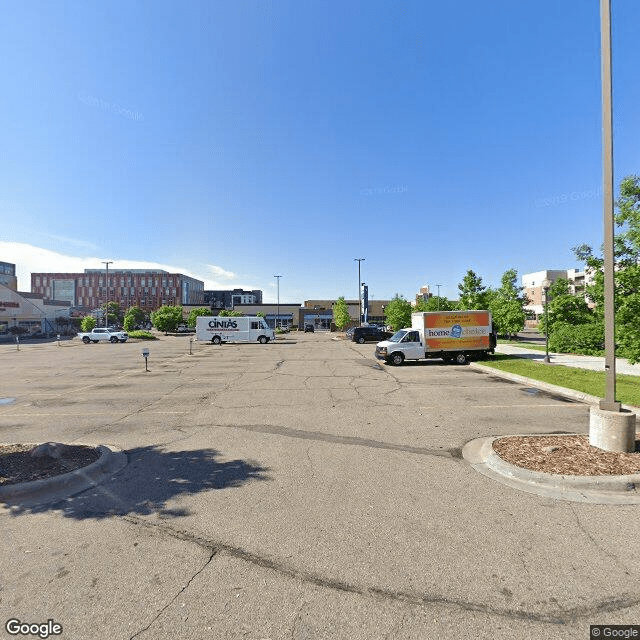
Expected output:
(596, 544)
(560, 616)
(184, 588)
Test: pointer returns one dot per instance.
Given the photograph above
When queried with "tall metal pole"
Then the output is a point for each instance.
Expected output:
(275, 324)
(359, 260)
(106, 306)
(609, 402)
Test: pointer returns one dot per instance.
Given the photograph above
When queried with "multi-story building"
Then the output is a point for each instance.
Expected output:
(534, 284)
(146, 289)
(27, 314)
(230, 298)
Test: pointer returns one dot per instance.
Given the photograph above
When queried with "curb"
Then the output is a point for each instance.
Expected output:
(481, 456)
(65, 485)
(572, 394)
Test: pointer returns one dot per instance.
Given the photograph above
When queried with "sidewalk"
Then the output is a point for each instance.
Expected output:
(596, 363)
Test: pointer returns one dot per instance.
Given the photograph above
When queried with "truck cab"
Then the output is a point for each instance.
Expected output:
(405, 344)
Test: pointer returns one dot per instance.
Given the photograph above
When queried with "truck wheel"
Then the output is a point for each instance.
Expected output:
(396, 359)
(461, 358)
(360, 340)
(113, 339)
(216, 340)
(263, 339)
(86, 340)
(94, 341)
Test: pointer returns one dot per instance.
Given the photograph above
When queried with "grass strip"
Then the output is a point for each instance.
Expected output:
(524, 345)
(584, 380)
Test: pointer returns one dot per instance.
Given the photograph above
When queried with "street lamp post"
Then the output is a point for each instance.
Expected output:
(545, 288)
(359, 260)
(275, 324)
(106, 306)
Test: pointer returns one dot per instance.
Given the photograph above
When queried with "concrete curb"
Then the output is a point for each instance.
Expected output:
(545, 386)
(480, 455)
(56, 488)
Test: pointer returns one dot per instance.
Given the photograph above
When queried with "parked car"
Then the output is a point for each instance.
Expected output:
(349, 333)
(369, 334)
(308, 328)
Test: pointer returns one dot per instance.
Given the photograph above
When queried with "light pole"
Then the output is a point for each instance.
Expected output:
(438, 285)
(545, 288)
(106, 306)
(275, 324)
(359, 260)
(609, 402)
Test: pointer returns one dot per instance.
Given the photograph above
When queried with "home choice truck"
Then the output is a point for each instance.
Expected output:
(454, 336)
(219, 329)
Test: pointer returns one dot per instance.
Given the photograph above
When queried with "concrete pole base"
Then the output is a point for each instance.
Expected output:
(612, 430)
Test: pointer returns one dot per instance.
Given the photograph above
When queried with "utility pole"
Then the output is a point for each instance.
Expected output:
(275, 324)
(106, 306)
(359, 260)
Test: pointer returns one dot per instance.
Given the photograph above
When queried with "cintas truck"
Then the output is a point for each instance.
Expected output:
(217, 329)
(454, 336)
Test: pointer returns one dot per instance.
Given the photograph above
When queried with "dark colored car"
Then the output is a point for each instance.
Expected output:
(369, 334)
(308, 328)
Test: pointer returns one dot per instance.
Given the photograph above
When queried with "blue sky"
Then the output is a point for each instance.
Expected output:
(237, 140)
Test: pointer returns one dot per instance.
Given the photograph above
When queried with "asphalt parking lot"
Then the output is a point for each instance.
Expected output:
(300, 490)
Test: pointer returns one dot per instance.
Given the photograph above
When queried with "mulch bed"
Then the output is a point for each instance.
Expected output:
(565, 455)
(17, 465)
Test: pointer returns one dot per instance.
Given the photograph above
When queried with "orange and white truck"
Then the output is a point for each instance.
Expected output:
(454, 336)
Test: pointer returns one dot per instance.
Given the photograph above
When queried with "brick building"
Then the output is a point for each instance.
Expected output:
(146, 289)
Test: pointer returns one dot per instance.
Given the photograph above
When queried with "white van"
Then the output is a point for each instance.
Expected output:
(217, 329)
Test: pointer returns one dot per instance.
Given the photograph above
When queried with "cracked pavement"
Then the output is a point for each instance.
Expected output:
(298, 490)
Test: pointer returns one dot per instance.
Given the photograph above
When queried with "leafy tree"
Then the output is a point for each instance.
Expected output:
(166, 318)
(398, 313)
(341, 315)
(564, 308)
(87, 324)
(231, 314)
(194, 313)
(113, 311)
(134, 317)
(473, 294)
(626, 274)
(436, 303)
(507, 305)
(260, 314)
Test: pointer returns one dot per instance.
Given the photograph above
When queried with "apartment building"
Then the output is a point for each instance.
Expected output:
(146, 289)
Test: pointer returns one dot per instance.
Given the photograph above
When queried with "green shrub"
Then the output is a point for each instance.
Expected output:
(142, 335)
(586, 339)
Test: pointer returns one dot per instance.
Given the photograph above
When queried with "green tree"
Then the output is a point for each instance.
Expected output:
(113, 311)
(473, 294)
(563, 308)
(231, 314)
(134, 317)
(626, 274)
(166, 318)
(507, 305)
(87, 324)
(436, 303)
(341, 315)
(398, 313)
(194, 313)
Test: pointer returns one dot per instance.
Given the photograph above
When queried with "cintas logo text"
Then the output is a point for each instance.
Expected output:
(223, 324)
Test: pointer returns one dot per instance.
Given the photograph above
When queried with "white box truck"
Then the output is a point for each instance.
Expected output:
(454, 336)
(219, 329)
